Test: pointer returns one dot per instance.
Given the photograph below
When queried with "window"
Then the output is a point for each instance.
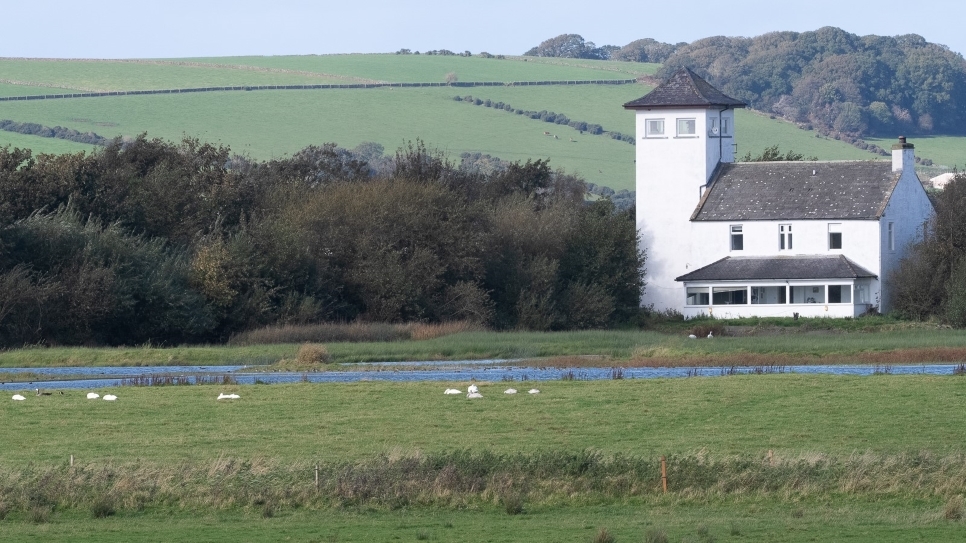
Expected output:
(839, 294)
(714, 130)
(892, 236)
(785, 237)
(737, 238)
(835, 236)
(687, 127)
(697, 296)
(808, 294)
(768, 295)
(729, 295)
(724, 126)
(654, 128)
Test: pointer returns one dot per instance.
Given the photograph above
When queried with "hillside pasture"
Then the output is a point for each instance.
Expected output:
(267, 124)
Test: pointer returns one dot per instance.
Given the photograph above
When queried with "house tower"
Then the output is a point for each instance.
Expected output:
(685, 129)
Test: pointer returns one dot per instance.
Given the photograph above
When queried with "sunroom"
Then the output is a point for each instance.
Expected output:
(807, 286)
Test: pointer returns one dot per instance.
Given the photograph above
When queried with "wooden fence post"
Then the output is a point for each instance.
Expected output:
(664, 473)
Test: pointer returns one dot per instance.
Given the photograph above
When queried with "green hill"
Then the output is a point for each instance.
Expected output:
(273, 123)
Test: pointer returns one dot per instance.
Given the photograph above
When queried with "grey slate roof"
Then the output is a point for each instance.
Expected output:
(752, 268)
(797, 190)
(684, 89)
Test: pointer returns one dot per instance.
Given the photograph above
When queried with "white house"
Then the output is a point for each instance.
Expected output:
(727, 239)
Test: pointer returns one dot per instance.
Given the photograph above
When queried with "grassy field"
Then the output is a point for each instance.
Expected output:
(858, 458)
(267, 124)
(794, 415)
(946, 150)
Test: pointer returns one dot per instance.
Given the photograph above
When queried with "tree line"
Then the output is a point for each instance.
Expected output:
(173, 242)
(838, 83)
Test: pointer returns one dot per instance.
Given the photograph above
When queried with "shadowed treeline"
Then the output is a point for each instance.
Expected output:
(150, 240)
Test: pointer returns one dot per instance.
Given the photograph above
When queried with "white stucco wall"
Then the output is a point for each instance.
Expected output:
(908, 211)
(671, 171)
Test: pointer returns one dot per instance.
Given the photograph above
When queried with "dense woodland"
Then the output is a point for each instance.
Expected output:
(830, 80)
(166, 242)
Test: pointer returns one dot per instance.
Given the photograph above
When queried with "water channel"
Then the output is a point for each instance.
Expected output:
(449, 372)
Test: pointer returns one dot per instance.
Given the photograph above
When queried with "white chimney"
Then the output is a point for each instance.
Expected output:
(903, 156)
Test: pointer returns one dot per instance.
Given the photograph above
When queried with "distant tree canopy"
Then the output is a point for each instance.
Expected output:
(838, 82)
(829, 79)
(571, 46)
(165, 242)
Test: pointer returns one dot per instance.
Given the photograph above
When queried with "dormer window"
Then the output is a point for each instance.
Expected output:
(654, 128)
(687, 127)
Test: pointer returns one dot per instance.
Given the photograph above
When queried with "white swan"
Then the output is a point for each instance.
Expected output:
(110, 397)
(533, 391)
(711, 335)
(18, 397)
(452, 391)
(93, 395)
(474, 395)
(510, 391)
(472, 389)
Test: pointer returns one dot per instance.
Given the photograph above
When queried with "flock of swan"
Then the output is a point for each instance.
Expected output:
(473, 392)
(109, 397)
(90, 396)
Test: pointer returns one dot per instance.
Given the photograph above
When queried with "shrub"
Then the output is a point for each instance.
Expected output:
(513, 504)
(313, 353)
(103, 507)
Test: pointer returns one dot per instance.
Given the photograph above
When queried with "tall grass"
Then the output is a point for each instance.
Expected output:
(458, 478)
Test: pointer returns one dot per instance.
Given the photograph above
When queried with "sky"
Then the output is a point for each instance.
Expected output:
(206, 28)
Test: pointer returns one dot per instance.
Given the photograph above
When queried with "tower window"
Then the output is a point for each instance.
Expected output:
(654, 128)
(737, 238)
(687, 127)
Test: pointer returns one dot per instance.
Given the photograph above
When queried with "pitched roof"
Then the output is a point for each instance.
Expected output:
(797, 190)
(753, 268)
(684, 89)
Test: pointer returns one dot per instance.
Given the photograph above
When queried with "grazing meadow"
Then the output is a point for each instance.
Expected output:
(752, 457)
(267, 124)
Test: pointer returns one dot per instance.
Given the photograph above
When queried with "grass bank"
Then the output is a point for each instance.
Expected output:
(753, 343)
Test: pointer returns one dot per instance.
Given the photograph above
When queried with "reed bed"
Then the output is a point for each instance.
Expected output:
(354, 332)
